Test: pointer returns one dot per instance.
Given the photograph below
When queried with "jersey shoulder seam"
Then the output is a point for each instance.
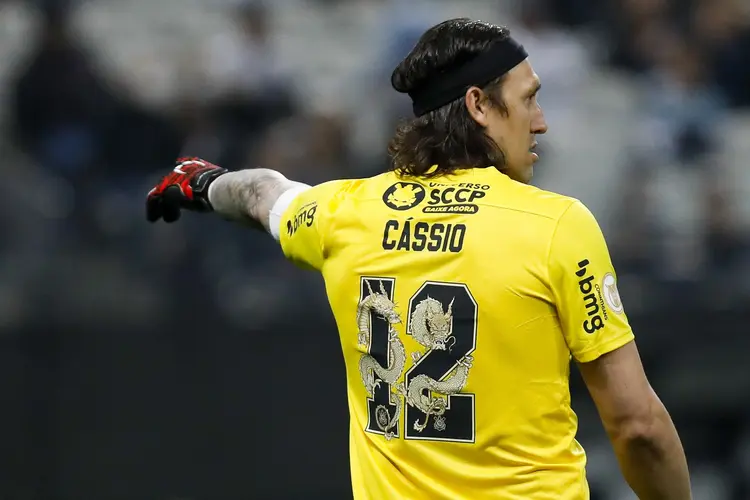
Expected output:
(520, 210)
(565, 201)
(341, 191)
(554, 233)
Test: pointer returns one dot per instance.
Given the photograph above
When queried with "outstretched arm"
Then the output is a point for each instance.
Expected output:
(256, 197)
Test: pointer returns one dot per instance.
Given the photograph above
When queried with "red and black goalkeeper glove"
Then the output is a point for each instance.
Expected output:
(186, 187)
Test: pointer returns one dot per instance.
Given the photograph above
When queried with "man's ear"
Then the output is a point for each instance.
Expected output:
(478, 105)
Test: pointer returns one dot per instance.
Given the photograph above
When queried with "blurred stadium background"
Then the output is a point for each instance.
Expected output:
(191, 362)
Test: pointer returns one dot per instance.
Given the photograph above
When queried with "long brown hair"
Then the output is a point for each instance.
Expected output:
(447, 137)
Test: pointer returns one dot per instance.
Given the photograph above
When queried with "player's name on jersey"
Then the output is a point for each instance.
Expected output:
(420, 236)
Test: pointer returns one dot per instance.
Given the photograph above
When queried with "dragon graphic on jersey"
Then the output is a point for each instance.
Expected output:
(382, 306)
(430, 326)
(419, 394)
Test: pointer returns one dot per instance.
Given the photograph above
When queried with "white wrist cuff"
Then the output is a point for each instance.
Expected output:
(210, 190)
(282, 203)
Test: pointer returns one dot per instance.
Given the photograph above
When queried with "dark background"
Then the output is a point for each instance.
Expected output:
(192, 362)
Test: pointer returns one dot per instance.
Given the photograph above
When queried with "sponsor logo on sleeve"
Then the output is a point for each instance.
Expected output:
(611, 294)
(593, 298)
(304, 217)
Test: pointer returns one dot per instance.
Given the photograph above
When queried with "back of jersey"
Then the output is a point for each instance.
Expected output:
(459, 301)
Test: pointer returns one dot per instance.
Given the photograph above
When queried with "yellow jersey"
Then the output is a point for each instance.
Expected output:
(459, 302)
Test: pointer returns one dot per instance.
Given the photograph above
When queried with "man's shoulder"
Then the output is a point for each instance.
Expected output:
(351, 186)
(366, 188)
(399, 193)
(333, 192)
(538, 202)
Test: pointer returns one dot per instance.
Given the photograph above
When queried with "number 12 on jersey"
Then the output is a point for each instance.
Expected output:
(442, 319)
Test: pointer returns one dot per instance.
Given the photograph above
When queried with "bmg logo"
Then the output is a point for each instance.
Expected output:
(303, 218)
(592, 299)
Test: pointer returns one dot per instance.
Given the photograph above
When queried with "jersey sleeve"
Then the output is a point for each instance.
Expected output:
(584, 286)
(304, 222)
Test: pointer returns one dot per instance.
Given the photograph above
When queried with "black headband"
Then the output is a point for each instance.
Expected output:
(501, 57)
